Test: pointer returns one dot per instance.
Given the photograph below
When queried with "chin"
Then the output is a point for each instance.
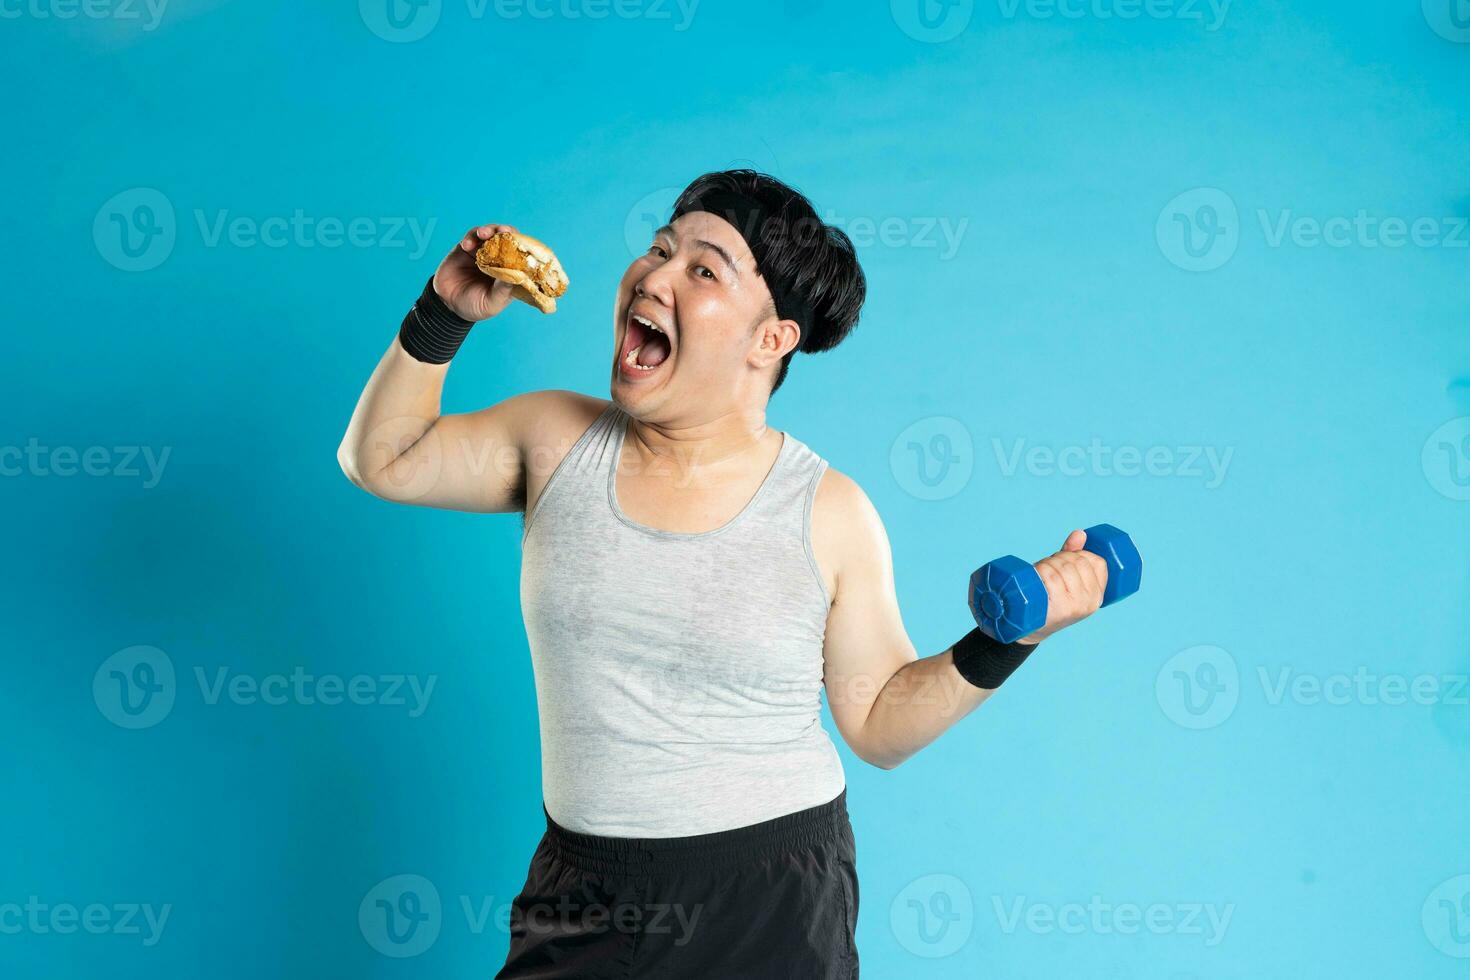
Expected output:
(634, 399)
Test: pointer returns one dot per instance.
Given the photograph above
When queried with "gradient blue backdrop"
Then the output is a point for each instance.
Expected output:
(1129, 192)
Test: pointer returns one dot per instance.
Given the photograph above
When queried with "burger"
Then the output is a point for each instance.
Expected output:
(531, 269)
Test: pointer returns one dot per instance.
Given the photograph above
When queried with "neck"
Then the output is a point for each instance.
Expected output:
(698, 446)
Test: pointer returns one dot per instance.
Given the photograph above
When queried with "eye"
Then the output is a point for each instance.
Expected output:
(704, 271)
(658, 249)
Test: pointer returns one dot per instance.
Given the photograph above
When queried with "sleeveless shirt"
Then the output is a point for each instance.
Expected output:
(678, 675)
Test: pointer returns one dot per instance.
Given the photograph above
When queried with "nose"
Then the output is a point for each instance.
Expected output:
(655, 286)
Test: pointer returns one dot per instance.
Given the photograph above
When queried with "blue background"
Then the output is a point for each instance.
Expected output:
(1070, 150)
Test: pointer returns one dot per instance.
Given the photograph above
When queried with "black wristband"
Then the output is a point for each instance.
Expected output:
(432, 332)
(986, 662)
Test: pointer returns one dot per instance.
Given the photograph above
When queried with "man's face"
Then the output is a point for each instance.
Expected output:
(698, 286)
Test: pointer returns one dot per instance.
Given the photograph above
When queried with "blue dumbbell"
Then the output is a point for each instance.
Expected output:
(1009, 601)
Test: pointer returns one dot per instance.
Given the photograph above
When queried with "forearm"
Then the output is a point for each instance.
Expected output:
(925, 697)
(400, 402)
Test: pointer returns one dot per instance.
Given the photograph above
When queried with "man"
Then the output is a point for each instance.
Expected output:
(691, 581)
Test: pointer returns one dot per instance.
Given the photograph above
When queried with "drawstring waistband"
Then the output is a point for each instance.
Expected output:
(657, 855)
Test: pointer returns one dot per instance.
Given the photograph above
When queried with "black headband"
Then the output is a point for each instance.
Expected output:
(754, 222)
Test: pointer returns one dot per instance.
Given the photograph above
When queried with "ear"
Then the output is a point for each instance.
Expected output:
(774, 340)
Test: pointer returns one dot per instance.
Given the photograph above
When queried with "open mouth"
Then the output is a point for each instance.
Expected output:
(645, 346)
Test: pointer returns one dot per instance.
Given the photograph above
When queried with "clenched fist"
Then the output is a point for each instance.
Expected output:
(1074, 581)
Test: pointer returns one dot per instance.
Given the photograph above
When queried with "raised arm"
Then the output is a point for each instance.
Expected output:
(887, 702)
(399, 447)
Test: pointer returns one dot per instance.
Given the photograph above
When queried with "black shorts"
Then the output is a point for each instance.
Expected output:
(775, 899)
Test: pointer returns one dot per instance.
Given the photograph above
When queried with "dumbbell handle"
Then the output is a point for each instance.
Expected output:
(1008, 599)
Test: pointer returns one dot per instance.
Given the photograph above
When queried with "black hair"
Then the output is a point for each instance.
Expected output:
(817, 260)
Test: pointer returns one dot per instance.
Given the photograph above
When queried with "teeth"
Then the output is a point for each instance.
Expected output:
(632, 360)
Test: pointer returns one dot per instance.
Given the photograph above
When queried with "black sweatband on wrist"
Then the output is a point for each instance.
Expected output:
(987, 662)
(432, 332)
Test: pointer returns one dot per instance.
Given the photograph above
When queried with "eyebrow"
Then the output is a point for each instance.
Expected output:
(721, 253)
(728, 259)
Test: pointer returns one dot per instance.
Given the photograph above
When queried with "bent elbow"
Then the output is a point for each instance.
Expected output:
(347, 460)
(880, 760)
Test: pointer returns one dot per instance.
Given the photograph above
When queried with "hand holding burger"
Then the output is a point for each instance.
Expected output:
(494, 264)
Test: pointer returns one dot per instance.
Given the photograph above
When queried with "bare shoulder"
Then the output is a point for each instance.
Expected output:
(847, 532)
(551, 423)
(553, 416)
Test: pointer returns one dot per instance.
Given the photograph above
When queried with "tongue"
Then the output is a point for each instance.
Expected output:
(654, 350)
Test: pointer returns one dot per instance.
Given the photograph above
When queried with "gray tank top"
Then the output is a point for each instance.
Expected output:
(678, 675)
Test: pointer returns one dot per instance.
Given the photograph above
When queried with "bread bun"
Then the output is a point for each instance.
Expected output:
(527, 264)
